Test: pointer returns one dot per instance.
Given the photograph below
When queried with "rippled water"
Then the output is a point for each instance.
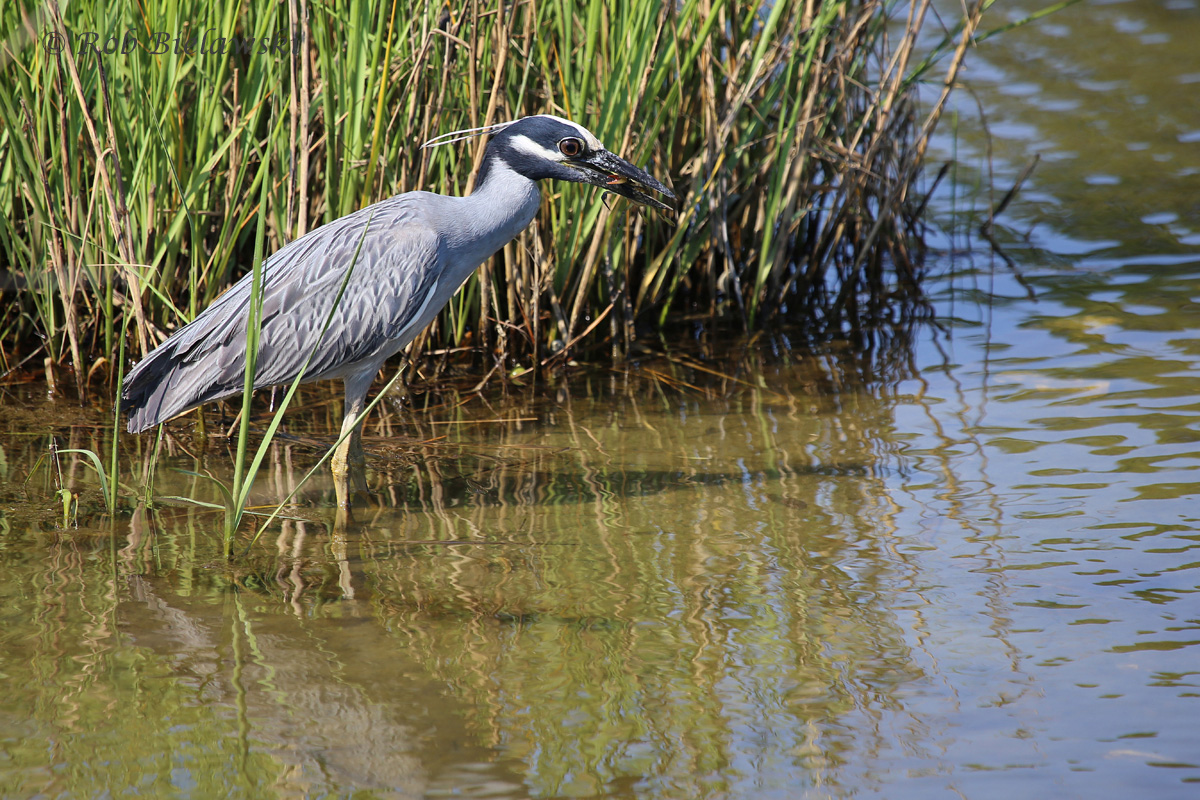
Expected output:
(962, 563)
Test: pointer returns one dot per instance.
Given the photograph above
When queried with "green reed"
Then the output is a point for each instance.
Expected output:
(130, 186)
(242, 480)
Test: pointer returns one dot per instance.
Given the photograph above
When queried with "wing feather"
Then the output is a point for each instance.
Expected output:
(394, 279)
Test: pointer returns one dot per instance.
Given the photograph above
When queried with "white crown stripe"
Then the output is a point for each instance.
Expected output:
(584, 133)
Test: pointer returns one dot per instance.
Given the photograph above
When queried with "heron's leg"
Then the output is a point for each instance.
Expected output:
(350, 452)
(349, 462)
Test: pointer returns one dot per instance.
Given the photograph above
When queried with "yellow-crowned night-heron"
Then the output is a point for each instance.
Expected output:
(416, 250)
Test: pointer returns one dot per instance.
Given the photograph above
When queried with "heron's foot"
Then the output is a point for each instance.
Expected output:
(349, 483)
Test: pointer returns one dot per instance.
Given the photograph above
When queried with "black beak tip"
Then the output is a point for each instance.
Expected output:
(656, 203)
(640, 192)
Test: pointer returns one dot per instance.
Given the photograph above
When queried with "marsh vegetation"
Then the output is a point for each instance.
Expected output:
(143, 147)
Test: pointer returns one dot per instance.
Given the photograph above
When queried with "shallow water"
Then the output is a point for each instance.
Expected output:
(961, 563)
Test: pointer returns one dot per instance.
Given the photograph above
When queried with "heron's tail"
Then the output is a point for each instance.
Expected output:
(148, 394)
(163, 385)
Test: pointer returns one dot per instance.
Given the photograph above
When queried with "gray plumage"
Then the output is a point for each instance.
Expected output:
(416, 250)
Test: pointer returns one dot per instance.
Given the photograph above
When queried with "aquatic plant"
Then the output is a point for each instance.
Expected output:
(68, 498)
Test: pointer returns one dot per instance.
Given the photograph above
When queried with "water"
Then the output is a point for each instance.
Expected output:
(963, 563)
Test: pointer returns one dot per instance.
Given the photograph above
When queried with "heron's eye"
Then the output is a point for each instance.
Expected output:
(570, 147)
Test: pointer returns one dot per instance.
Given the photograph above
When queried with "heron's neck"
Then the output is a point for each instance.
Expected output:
(503, 204)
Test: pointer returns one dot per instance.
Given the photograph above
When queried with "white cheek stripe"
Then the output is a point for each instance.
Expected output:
(530, 147)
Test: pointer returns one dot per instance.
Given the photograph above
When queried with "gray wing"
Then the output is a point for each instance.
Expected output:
(389, 286)
(399, 259)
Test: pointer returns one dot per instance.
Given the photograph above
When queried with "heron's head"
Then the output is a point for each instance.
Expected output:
(546, 146)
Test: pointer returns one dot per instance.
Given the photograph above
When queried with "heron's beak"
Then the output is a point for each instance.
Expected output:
(617, 175)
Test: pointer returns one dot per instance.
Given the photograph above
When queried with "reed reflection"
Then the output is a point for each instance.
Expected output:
(655, 578)
(647, 579)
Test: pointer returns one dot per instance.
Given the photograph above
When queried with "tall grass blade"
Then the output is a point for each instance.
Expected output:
(253, 333)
